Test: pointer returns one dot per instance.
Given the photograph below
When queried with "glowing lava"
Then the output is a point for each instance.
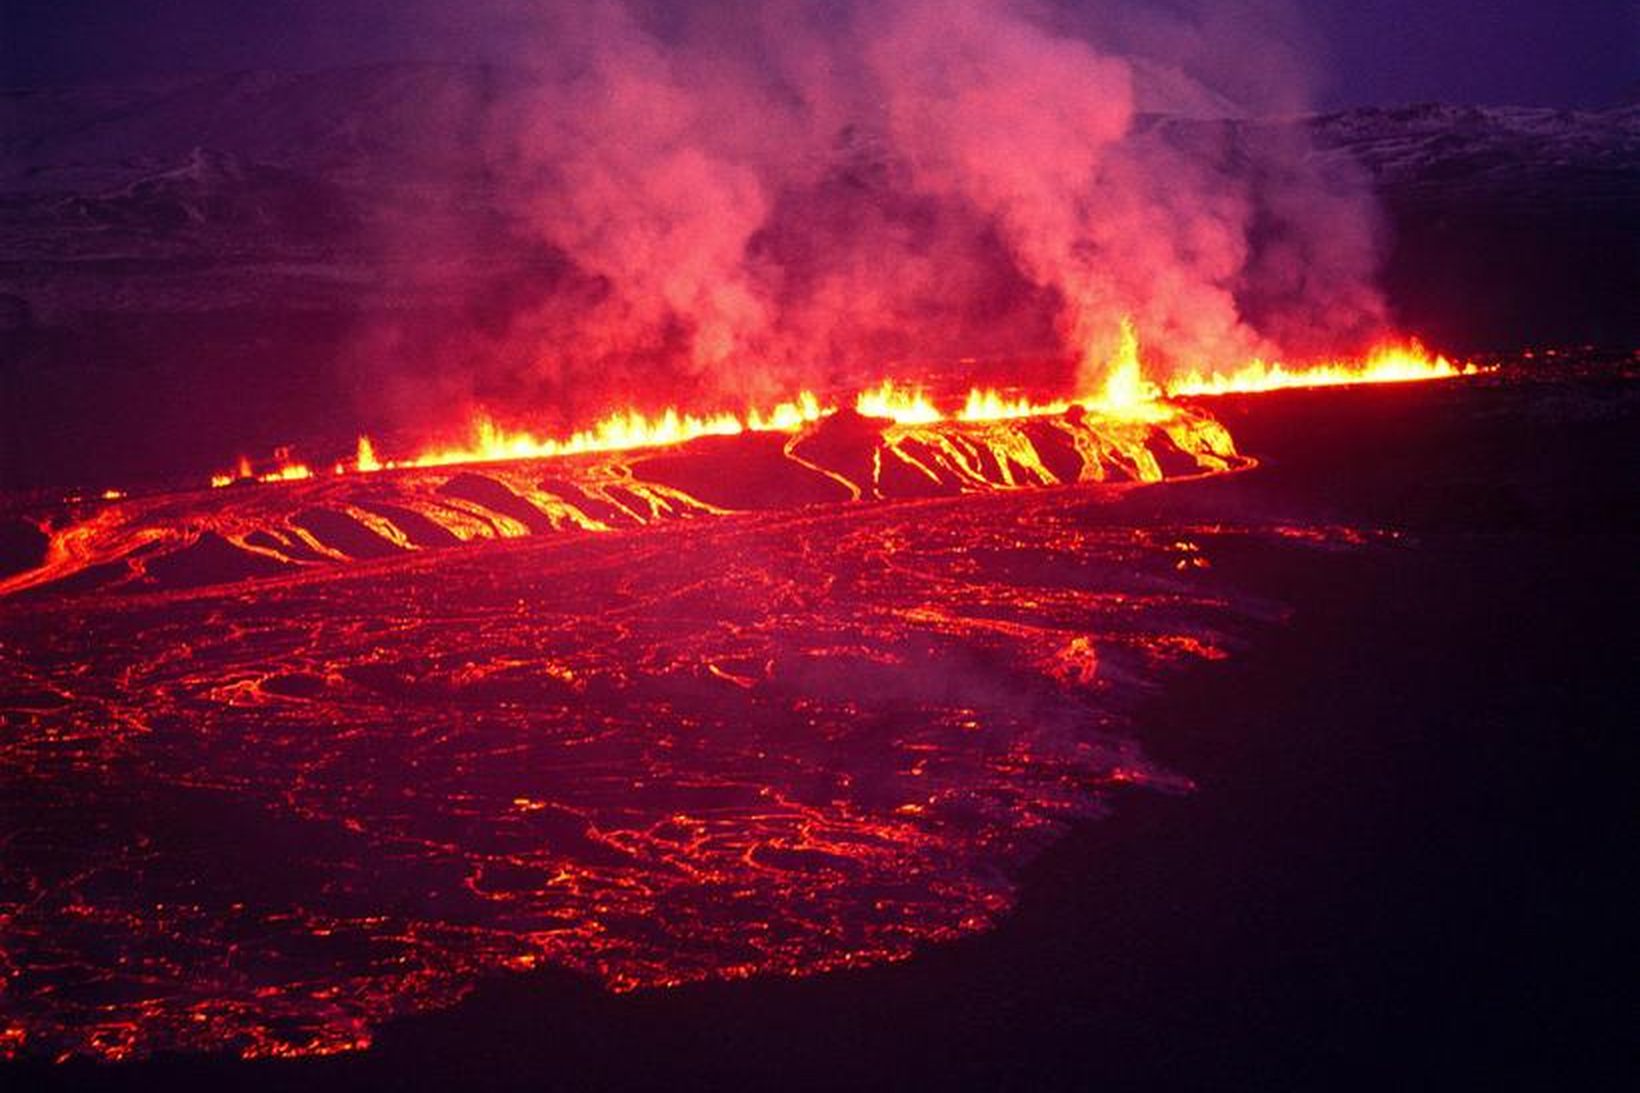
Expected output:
(267, 816)
(1126, 394)
(905, 405)
(292, 762)
(1407, 363)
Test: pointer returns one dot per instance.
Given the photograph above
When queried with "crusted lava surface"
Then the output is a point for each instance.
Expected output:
(771, 704)
(285, 760)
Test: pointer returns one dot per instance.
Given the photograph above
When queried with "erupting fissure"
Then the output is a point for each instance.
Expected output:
(1387, 364)
(1126, 394)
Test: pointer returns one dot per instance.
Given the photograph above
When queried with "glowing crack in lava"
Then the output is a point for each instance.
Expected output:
(280, 763)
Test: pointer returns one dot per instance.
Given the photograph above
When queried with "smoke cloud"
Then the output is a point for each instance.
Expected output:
(730, 200)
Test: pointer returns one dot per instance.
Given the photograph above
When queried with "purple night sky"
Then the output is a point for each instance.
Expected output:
(1503, 51)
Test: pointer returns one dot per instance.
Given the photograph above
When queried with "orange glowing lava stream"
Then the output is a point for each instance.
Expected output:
(1126, 394)
(1387, 364)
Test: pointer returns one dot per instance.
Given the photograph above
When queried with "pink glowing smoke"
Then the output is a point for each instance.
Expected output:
(744, 197)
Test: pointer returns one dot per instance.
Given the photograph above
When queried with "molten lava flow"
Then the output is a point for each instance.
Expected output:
(241, 473)
(167, 541)
(713, 749)
(285, 470)
(1126, 394)
(904, 405)
(264, 818)
(619, 431)
(993, 405)
(491, 443)
(1388, 364)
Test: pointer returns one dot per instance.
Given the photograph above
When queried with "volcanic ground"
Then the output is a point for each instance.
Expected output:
(283, 762)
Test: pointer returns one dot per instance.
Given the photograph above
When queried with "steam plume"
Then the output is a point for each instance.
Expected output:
(738, 198)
